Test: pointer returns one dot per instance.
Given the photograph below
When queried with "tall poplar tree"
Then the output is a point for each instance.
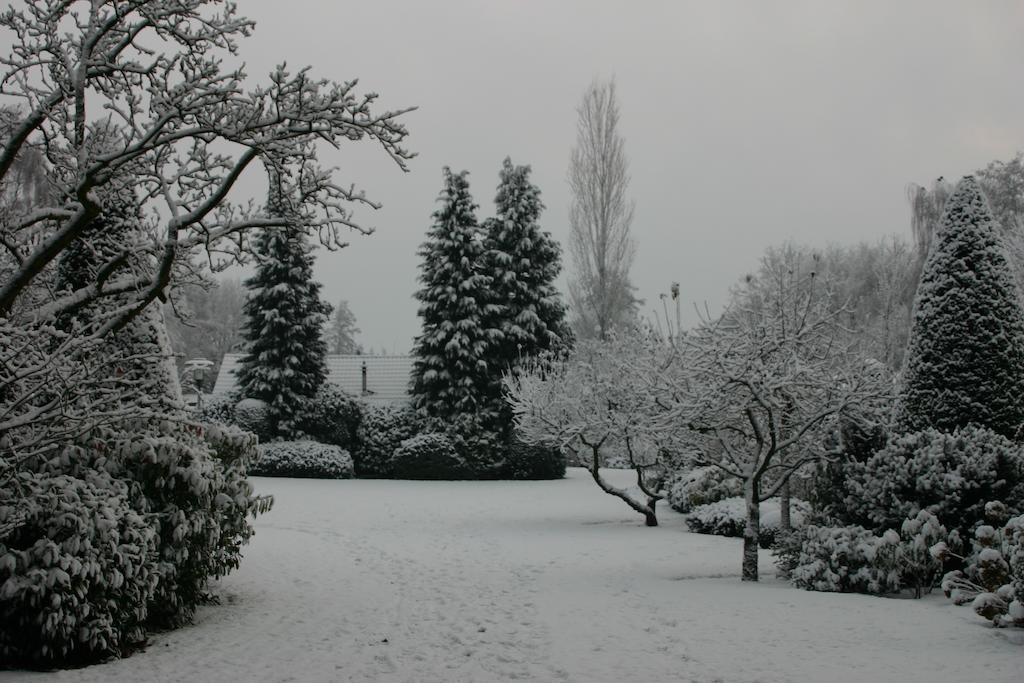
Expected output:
(284, 316)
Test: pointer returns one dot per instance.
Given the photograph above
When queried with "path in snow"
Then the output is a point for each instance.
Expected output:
(536, 581)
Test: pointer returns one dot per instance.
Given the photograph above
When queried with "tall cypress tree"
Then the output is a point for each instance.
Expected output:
(284, 362)
(965, 357)
(523, 262)
(451, 374)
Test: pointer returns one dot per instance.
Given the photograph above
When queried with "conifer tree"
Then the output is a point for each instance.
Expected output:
(451, 374)
(523, 262)
(284, 361)
(965, 357)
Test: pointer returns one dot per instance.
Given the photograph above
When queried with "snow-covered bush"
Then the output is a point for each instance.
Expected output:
(993, 574)
(950, 475)
(839, 559)
(253, 415)
(853, 559)
(533, 461)
(77, 569)
(218, 408)
(477, 441)
(306, 459)
(380, 433)
(700, 486)
(728, 517)
(429, 456)
(332, 416)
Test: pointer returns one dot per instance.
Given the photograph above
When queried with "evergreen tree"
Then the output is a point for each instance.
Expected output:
(340, 333)
(523, 262)
(965, 357)
(284, 361)
(451, 374)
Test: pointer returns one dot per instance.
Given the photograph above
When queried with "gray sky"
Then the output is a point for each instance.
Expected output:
(746, 123)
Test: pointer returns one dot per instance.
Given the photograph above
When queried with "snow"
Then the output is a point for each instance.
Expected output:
(377, 580)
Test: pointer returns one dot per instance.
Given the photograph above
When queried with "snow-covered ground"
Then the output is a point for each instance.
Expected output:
(538, 581)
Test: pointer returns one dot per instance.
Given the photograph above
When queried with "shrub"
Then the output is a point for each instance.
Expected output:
(700, 486)
(380, 433)
(533, 461)
(332, 417)
(218, 408)
(479, 445)
(429, 456)
(728, 517)
(302, 459)
(77, 569)
(852, 559)
(950, 475)
(839, 559)
(253, 415)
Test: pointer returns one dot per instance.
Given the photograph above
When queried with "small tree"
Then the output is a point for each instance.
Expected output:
(965, 357)
(451, 374)
(598, 405)
(761, 387)
(284, 362)
(205, 321)
(340, 333)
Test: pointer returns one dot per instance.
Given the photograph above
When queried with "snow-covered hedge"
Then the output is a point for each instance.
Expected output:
(217, 408)
(306, 459)
(333, 417)
(952, 476)
(77, 569)
(700, 486)
(533, 461)
(728, 517)
(429, 456)
(853, 559)
(253, 415)
(380, 433)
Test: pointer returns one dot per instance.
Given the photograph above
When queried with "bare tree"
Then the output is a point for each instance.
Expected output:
(602, 250)
(596, 406)
(130, 99)
(762, 386)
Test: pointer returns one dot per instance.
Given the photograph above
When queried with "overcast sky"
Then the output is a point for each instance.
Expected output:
(746, 123)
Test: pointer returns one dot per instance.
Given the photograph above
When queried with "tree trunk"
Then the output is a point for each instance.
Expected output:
(752, 532)
(785, 522)
(650, 517)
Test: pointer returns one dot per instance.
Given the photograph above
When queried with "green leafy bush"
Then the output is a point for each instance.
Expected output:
(429, 456)
(302, 459)
(77, 569)
(379, 434)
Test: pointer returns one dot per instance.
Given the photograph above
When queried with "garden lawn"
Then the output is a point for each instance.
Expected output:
(363, 580)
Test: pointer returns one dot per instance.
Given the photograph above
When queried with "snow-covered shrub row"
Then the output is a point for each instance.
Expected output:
(479, 443)
(77, 568)
(950, 475)
(381, 431)
(728, 517)
(533, 461)
(853, 559)
(306, 459)
(332, 416)
(700, 486)
(429, 456)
